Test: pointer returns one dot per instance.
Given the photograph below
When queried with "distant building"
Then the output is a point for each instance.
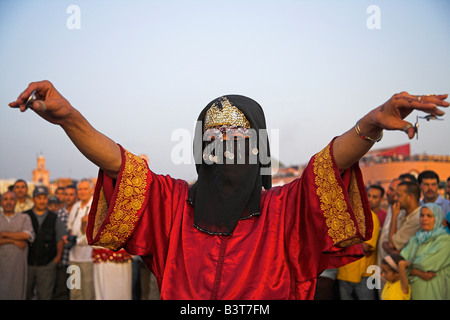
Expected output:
(286, 175)
(41, 176)
(282, 174)
(382, 165)
(61, 182)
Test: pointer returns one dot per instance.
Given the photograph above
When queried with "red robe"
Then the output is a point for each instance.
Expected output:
(306, 226)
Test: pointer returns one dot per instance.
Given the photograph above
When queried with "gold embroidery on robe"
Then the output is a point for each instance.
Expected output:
(356, 203)
(130, 198)
(102, 209)
(341, 227)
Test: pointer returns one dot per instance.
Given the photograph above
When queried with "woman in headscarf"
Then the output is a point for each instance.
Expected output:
(226, 237)
(429, 254)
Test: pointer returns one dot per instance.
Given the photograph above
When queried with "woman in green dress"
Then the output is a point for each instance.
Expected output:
(429, 254)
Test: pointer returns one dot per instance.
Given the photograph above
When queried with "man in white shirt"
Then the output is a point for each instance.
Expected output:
(404, 225)
(384, 232)
(81, 253)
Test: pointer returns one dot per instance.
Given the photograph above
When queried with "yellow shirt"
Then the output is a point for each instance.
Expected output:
(353, 272)
(393, 291)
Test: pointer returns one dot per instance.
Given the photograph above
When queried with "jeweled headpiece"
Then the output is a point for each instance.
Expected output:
(224, 113)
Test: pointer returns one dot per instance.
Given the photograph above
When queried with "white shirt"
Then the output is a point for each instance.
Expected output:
(407, 227)
(81, 251)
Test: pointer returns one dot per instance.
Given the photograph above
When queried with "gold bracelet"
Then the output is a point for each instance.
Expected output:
(367, 138)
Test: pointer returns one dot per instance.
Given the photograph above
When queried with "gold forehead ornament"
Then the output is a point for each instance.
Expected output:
(223, 113)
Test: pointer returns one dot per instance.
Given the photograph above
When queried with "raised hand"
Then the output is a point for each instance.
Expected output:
(53, 107)
(354, 144)
(391, 114)
(49, 104)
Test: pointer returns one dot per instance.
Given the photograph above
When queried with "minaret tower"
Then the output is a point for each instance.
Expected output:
(40, 174)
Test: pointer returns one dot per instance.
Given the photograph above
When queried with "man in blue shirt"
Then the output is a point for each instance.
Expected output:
(429, 185)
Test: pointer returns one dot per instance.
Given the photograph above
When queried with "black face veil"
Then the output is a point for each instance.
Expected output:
(228, 192)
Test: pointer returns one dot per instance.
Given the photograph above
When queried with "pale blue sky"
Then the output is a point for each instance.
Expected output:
(138, 70)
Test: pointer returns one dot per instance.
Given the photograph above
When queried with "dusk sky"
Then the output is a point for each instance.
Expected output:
(141, 71)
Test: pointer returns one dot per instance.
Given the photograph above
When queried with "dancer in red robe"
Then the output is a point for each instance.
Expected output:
(226, 237)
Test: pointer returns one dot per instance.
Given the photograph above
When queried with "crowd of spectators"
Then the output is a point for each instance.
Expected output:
(44, 253)
(408, 256)
(371, 160)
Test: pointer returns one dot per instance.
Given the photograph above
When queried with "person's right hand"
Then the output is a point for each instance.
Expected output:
(49, 104)
(65, 239)
(427, 276)
(395, 209)
(53, 107)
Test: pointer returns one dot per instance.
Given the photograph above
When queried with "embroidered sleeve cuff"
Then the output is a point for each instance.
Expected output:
(343, 200)
(117, 208)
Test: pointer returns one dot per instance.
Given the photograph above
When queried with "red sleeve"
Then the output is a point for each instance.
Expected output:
(136, 211)
(327, 214)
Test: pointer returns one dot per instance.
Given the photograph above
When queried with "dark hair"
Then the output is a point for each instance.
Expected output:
(72, 186)
(427, 174)
(20, 180)
(408, 176)
(396, 257)
(375, 186)
(9, 191)
(411, 188)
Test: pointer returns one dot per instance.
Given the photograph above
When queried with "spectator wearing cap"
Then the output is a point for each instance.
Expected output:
(46, 250)
(53, 204)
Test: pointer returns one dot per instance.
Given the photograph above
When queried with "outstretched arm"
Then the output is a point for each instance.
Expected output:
(350, 147)
(53, 107)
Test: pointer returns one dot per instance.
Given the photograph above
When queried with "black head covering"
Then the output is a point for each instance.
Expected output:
(225, 193)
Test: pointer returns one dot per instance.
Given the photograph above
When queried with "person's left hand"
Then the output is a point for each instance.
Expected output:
(22, 244)
(390, 115)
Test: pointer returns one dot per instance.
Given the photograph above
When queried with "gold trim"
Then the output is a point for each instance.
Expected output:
(357, 205)
(332, 201)
(129, 201)
(226, 114)
(100, 215)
